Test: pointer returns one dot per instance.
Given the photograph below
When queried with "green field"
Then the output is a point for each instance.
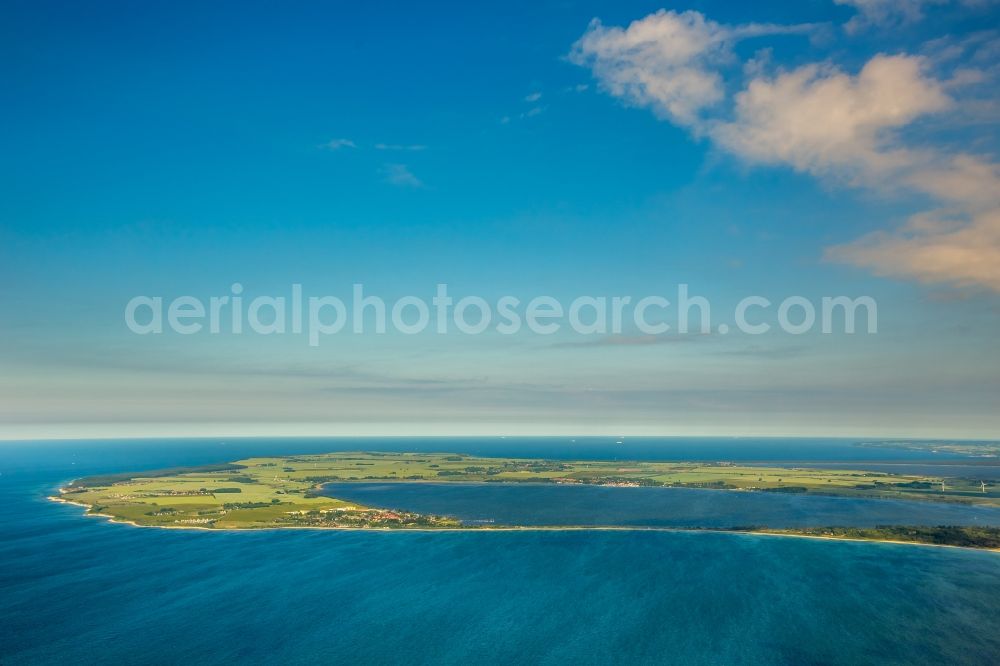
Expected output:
(962, 536)
(280, 491)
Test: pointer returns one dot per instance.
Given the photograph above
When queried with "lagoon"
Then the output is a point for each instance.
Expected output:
(590, 505)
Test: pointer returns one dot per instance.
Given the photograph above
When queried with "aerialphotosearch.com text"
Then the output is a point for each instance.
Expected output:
(317, 317)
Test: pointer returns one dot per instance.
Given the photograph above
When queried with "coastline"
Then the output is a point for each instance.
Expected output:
(514, 528)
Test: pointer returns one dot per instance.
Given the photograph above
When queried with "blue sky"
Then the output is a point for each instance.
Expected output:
(775, 148)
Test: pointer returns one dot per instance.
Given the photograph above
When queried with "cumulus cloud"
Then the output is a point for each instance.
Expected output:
(957, 244)
(819, 119)
(965, 253)
(823, 121)
(667, 61)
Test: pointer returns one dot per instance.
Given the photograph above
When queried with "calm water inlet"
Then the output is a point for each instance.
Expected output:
(563, 504)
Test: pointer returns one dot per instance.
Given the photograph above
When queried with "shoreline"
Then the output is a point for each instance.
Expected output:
(516, 528)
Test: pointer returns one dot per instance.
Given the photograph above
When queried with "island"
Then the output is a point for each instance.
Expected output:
(966, 449)
(283, 492)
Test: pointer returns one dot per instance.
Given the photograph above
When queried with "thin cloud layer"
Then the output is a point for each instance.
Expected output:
(401, 176)
(413, 147)
(885, 13)
(897, 13)
(337, 144)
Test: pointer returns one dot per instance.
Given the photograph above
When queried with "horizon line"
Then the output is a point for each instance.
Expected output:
(4, 438)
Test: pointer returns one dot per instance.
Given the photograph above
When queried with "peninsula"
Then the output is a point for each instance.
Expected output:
(281, 492)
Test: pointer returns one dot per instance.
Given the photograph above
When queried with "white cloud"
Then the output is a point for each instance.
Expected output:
(833, 125)
(821, 120)
(965, 180)
(401, 176)
(533, 97)
(337, 144)
(667, 61)
(662, 61)
(963, 252)
(400, 146)
(957, 244)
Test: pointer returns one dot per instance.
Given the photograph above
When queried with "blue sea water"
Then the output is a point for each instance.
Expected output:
(75, 589)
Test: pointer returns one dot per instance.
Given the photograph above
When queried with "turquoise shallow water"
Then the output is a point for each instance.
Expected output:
(80, 589)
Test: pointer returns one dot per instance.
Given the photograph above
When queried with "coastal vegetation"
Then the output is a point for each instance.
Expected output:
(961, 448)
(942, 535)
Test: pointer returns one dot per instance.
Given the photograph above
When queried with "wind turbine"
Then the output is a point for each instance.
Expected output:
(983, 484)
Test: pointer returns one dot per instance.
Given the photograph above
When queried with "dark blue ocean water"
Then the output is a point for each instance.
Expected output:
(80, 589)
